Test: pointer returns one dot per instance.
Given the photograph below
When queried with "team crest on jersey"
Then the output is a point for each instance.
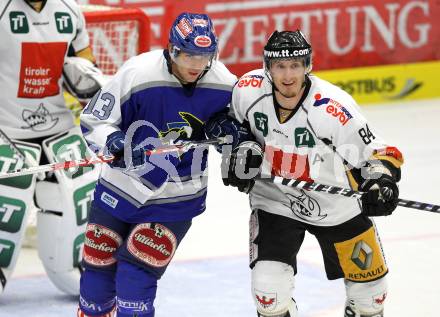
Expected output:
(39, 120)
(19, 22)
(333, 108)
(261, 122)
(190, 128)
(305, 207)
(63, 22)
(267, 301)
(153, 244)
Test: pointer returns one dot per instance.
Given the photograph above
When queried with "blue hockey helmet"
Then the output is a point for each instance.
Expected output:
(193, 34)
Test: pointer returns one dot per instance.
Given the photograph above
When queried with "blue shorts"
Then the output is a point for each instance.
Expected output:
(149, 245)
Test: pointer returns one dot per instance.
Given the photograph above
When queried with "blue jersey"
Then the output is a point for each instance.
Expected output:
(146, 101)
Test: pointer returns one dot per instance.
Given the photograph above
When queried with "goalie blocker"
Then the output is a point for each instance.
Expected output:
(82, 78)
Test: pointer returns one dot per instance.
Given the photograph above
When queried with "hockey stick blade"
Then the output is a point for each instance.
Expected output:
(183, 146)
(335, 190)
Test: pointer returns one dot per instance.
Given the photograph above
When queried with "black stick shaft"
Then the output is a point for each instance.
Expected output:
(335, 190)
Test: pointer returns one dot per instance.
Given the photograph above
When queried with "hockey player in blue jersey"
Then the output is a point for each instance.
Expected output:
(143, 205)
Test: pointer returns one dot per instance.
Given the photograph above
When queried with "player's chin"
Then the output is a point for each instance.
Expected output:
(290, 92)
(192, 76)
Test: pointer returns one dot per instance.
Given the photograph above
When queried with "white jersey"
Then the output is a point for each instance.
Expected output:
(325, 134)
(32, 50)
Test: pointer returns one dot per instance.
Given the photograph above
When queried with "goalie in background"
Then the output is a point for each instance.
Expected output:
(37, 37)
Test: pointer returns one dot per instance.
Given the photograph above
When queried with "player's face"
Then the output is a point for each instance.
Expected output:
(288, 76)
(189, 67)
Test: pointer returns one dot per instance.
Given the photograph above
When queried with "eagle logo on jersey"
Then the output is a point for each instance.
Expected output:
(39, 120)
(305, 207)
(191, 128)
(268, 301)
(379, 299)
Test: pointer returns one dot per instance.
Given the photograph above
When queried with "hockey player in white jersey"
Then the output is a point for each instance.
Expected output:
(36, 128)
(143, 205)
(310, 130)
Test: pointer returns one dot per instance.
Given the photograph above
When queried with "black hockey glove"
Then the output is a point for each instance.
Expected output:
(115, 146)
(381, 195)
(242, 165)
(221, 125)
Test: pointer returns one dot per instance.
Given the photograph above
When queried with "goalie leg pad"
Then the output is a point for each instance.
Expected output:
(272, 286)
(365, 299)
(65, 205)
(16, 203)
(136, 289)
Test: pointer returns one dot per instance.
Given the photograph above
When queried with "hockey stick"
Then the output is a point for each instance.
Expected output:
(335, 190)
(182, 146)
(25, 157)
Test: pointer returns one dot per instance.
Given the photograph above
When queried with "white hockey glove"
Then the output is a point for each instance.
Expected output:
(81, 78)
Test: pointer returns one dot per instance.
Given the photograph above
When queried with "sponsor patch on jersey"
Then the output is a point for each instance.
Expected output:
(266, 301)
(261, 122)
(389, 152)
(63, 21)
(200, 22)
(303, 138)
(361, 257)
(41, 68)
(109, 200)
(333, 108)
(153, 244)
(100, 244)
(250, 81)
(202, 41)
(288, 165)
(184, 28)
(18, 22)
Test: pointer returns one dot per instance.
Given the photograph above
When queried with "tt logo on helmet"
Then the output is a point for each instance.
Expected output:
(202, 41)
(301, 52)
